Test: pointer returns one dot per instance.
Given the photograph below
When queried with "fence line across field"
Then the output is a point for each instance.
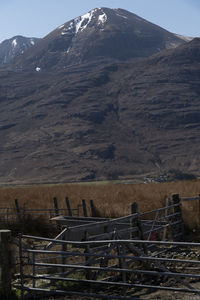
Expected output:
(20, 212)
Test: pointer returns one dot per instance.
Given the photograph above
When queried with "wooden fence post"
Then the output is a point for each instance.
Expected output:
(5, 264)
(166, 214)
(88, 273)
(134, 210)
(7, 216)
(24, 213)
(137, 222)
(84, 208)
(34, 267)
(18, 209)
(199, 209)
(68, 206)
(55, 201)
(64, 250)
(93, 210)
(178, 209)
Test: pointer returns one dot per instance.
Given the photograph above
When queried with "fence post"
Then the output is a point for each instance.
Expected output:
(64, 249)
(68, 206)
(93, 210)
(24, 214)
(178, 209)
(84, 208)
(55, 201)
(5, 264)
(7, 216)
(166, 214)
(137, 222)
(134, 210)
(18, 209)
(21, 266)
(199, 209)
(88, 273)
(34, 267)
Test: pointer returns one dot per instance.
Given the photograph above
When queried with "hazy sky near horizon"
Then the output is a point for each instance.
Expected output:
(39, 17)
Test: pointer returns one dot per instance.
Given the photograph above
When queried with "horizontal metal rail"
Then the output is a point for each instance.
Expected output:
(189, 199)
(123, 241)
(159, 209)
(134, 258)
(134, 271)
(161, 218)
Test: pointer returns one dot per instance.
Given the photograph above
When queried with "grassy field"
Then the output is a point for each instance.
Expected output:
(111, 199)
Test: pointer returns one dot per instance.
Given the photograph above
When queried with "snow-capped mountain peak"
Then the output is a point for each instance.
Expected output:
(100, 34)
(80, 23)
(13, 47)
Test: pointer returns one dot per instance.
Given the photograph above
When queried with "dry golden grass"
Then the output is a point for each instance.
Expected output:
(111, 199)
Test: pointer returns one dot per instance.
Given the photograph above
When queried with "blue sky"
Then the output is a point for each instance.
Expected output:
(36, 18)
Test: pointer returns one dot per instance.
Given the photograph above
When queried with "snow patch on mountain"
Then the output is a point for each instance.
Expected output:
(185, 38)
(14, 43)
(81, 23)
(102, 18)
(32, 42)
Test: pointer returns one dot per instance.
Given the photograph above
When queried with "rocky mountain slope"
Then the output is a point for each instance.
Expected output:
(115, 119)
(103, 34)
(102, 121)
(11, 48)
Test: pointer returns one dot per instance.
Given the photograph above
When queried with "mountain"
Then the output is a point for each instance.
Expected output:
(13, 47)
(97, 121)
(101, 34)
